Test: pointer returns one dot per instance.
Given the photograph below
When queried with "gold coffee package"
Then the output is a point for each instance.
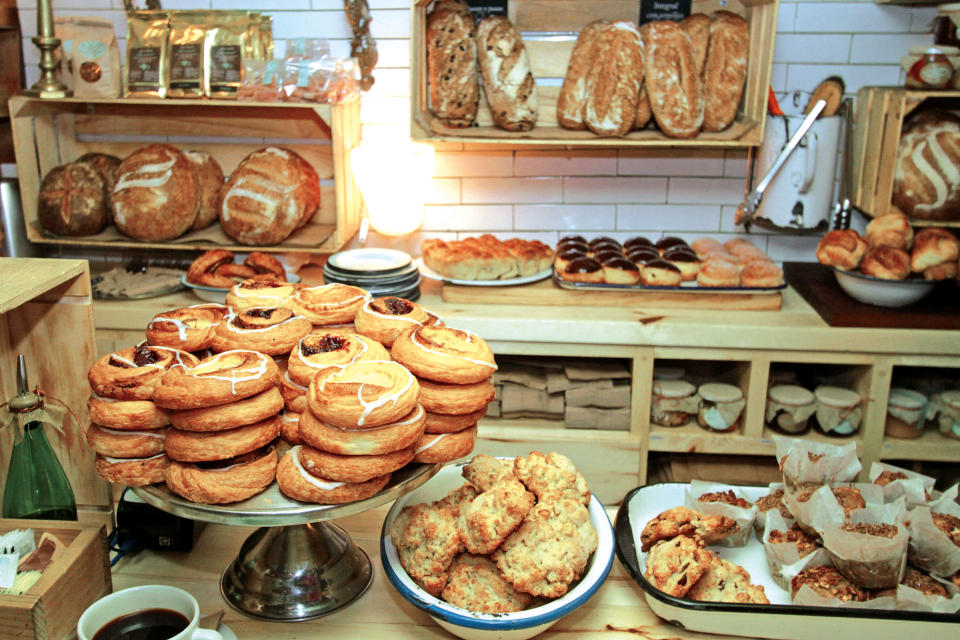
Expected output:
(185, 69)
(95, 59)
(147, 54)
(227, 40)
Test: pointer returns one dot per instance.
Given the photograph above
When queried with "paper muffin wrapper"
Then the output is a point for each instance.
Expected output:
(743, 516)
(914, 488)
(870, 561)
(930, 549)
(760, 521)
(823, 510)
(910, 599)
(810, 598)
(784, 559)
(830, 463)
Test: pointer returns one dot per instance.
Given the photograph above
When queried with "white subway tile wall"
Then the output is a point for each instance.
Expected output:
(544, 193)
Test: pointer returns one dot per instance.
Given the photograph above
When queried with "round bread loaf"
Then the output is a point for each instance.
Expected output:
(105, 163)
(926, 182)
(155, 197)
(270, 194)
(209, 183)
(73, 201)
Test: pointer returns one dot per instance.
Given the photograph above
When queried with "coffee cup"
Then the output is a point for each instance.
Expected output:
(139, 605)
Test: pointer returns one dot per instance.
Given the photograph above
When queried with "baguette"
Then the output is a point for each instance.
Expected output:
(452, 63)
(725, 69)
(676, 96)
(507, 80)
(614, 80)
(573, 93)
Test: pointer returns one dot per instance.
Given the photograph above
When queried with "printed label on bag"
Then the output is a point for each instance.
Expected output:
(485, 8)
(145, 65)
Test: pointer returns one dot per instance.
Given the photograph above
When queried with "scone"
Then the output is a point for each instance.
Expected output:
(675, 565)
(727, 582)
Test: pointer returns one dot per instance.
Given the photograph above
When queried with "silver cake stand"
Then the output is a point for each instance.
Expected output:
(298, 565)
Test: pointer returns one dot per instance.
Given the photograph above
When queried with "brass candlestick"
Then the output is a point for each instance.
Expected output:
(47, 86)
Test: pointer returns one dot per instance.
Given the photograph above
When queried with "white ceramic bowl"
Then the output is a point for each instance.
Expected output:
(216, 294)
(472, 625)
(882, 293)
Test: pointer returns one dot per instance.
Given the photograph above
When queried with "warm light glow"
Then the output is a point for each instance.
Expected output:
(394, 178)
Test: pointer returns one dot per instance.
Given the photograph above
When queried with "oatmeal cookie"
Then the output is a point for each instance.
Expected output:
(726, 497)
(925, 584)
(541, 558)
(485, 471)
(684, 521)
(570, 512)
(675, 565)
(475, 584)
(551, 475)
(489, 518)
(829, 583)
(456, 498)
(427, 546)
(950, 525)
(726, 582)
(805, 544)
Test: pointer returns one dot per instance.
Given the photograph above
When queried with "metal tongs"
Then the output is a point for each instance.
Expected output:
(748, 207)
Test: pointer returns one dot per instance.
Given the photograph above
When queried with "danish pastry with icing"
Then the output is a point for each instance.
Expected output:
(329, 303)
(383, 319)
(432, 448)
(363, 394)
(441, 423)
(118, 443)
(269, 330)
(134, 373)
(363, 442)
(227, 416)
(297, 483)
(253, 293)
(294, 394)
(456, 399)
(126, 414)
(216, 380)
(224, 481)
(444, 354)
(290, 427)
(318, 351)
(188, 329)
(341, 468)
(190, 446)
(132, 472)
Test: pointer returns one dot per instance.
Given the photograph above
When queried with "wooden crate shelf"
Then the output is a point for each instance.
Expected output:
(550, 29)
(48, 133)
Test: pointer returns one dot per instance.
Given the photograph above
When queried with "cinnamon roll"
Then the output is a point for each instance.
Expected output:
(383, 319)
(188, 329)
(253, 293)
(134, 373)
(296, 483)
(432, 448)
(332, 466)
(227, 416)
(132, 472)
(363, 394)
(270, 330)
(216, 380)
(329, 303)
(126, 414)
(456, 399)
(318, 351)
(443, 423)
(363, 442)
(117, 443)
(224, 481)
(444, 354)
(191, 446)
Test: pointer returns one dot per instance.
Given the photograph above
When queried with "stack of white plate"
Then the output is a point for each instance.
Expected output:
(382, 272)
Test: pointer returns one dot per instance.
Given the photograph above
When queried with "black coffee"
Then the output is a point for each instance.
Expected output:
(149, 624)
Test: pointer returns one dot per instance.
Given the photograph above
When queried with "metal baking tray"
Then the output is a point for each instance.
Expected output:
(779, 619)
(685, 287)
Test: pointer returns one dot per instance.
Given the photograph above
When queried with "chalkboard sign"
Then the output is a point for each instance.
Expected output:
(485, 8)
(651, 10)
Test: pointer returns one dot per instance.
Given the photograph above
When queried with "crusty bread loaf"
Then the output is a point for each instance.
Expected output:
(926, 181)
(155, 196)
(614, 80)
(644, 113)
(697, 26)
(73, 200)
(106, 164)
(507, 79)
(452, 63)
(267, 196)
(673, 85)
(486, 257)
(209, 183)
(573, 93)
(725, 69)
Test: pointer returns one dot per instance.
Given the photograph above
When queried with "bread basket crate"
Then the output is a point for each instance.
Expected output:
(549, 29)
(48, 133)
(880, 114)
(76, 579)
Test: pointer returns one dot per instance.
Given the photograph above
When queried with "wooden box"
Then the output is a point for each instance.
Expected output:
(49, 610)
(48, 133)
(550, 29)
(879, 122)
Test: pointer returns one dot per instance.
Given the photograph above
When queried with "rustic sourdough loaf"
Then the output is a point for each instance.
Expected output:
(452, 63)
(676, 97)
(614, 80)
(573, 93)
(73, 200)
(507, 80)
(209, 183)
(725, 69)
(926, 181)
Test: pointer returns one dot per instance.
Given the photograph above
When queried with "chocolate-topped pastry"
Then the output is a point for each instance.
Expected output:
(603, 240)
(564, 245)
(605, 254)
(643, 255)
(660, 273)
(583, 270)
(619, 270)
(636, 243)
(666, 242)
(565, 256)
(579, 239)
(679, 249)
(683, 258)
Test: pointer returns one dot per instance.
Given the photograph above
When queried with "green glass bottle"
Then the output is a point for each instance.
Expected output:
(36, 485)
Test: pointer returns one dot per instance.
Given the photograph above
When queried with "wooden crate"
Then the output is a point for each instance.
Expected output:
(48, 133)
(879, 122)
(549, 29)
(46, 314)
(49, 610)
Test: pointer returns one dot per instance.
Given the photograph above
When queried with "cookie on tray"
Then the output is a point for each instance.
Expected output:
(727, 582)
(829, 583)
(683, 521)
(489, 518)
(541, 557)
(456, 498)
(569, 513)
(725, 497)
(475, 584)
(485, 471)
(675, 565)
(427, 545)
(551, 475)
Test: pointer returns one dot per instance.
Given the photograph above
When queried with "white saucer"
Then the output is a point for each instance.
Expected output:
(227, 632)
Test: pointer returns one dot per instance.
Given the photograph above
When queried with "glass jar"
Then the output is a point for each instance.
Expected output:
(838, 410)
(932, 71)
(720, 406)
(789, 406)
(949, 402)
(906, 410)
(673, 403)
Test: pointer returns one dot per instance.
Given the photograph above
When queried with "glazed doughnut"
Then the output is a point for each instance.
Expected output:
(294, 395)
(269, 330)
(329, 303)
(118, 443)
(706, 245)
(290, 427)
(317, 351)
(133, 472)
(126, 414)
(229, 481)
(264, 263)
(761, 273)
(432, 448)
(188, 329)
(191, 446)
(331, 466)
(259, 293)
(445, 354)
(296, 483)
(363, 442)
(456, 399)
(718, 273)
(442, 423)
(134, 373)
(363, 394)
(205, 264)
(216, 380)
(383, 319)
(227, 416)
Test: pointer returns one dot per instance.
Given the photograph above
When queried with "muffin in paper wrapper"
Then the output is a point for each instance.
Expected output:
(807, 597)
(743, 516)
(784, 559)
(915, 488)
(823, 510)
(806, 463)
(910, 599)
(874, 562)
(930, 548)
(760, 521)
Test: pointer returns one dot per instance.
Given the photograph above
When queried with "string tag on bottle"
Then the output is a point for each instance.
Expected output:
(50, 413)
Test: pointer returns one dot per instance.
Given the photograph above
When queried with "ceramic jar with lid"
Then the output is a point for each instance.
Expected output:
(673, 403)
(720, 406)
(949, 405)
(838, 410)
(932, 71)
(906, 410)
(789, 406)
(668, 373)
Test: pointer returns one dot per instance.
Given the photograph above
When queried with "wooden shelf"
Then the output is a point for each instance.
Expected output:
(932, 445)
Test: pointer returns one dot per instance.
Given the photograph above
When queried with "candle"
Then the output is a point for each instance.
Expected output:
(45, 19)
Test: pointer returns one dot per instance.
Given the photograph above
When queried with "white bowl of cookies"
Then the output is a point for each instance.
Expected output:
(499, 548)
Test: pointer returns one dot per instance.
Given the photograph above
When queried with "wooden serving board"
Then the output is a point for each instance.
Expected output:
(818, 286)
(547, 293)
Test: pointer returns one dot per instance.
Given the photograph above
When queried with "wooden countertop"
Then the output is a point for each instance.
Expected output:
(617, 610)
